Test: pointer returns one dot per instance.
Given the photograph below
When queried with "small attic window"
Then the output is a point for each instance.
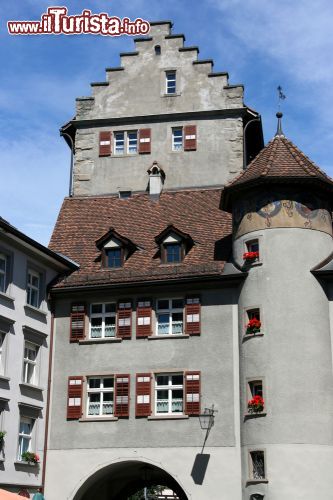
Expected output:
(174, 245)
(123, 195)
(115, 249)
(157, 50)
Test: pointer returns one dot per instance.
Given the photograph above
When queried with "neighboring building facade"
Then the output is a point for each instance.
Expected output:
(26, 269)
(185, 276)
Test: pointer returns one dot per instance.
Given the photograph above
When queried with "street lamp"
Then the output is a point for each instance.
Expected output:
(207, 421)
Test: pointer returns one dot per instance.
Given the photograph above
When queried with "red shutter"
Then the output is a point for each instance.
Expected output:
(124, 319)
(143, 395)
(190, 138)
(105, 143)
(145, 140)
(192, 393)
(78, 319)
(121, 396)
(192, 316)
(74, 399)
(143, 318)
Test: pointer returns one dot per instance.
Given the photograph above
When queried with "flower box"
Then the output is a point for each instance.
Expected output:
(250, 256)
(256, 404)
(253, 326)
(30, 457)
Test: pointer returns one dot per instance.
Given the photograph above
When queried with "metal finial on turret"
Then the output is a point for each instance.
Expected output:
(279, 116)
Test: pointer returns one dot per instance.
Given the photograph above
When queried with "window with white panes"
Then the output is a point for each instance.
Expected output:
(177, 139)
(169, 394)
(170, 82)
(257, 465)
(132, 142)
(126, 142)
(2, 353)
(119, 143)
(3, 272)
(30, 363)
(100, 396)
(102, 321)
(33, 288)
(170, 317)
(25, 436)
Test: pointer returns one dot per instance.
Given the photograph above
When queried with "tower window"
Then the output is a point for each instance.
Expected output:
(251, 254)
(253, 322)
(256, 402)
(114, 257)
(170, 82)
(257, 465)
(157, 50)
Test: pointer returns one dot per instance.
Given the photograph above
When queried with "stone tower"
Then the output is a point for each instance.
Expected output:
(282, 230)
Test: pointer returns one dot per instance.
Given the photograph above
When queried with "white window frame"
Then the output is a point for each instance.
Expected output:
(24, 437)
(176, 144)
(171, 82)
(169, 387)
(103, 315)
(101, 391)
(33, 288)
(251, 466)
(2, 352)
(4, 272)
(30, 362)
(170, 311)
(125, 141)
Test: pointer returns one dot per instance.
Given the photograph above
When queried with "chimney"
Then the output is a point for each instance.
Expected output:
(156, 180)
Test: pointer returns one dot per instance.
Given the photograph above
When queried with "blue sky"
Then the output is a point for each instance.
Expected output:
(260, 43)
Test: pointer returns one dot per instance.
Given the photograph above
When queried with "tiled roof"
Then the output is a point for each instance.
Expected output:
(280, 158)
(84, 220)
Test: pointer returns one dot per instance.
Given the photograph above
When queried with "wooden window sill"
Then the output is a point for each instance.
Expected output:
(101, 341)
(161, 337)
(168, 417)
(98, 419)
(254, 415)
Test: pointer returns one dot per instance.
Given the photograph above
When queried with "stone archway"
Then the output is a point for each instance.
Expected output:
(119, 480)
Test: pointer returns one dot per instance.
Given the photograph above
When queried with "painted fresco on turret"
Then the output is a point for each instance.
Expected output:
(268, 211)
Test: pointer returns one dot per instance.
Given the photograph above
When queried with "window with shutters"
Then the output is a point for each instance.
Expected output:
(170, 82)
(25, 436)
(257, 467)
(30, 371)
(100, 396)
(143, 318)
(184, 138)
(125, 142)
(102, 320)
(170, 317)
(169, 393)
(74, 399)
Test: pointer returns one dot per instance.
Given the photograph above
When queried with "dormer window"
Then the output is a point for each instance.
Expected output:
(173, 252)
(174, 245)
(115, 249)
(113, 256)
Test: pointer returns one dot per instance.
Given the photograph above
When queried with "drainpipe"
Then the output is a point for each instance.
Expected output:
(48, 398)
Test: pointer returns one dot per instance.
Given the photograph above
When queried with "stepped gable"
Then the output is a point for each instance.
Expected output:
(279, 161)
(84, 220)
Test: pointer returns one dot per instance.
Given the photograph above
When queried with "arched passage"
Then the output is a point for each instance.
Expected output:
(120, 480)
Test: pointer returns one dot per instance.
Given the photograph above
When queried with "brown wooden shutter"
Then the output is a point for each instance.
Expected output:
(143, 395)
(143, 318)
(105, 143)
(192, 393)
(192, 316)
(190, 138)
(145, 140)
(124, 319)
(121, 396)
(74, 399)
(78, 319)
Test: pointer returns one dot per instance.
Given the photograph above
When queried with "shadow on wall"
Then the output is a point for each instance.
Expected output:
(200, 467)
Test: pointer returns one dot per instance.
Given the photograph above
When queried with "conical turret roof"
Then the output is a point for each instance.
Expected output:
(280, 161)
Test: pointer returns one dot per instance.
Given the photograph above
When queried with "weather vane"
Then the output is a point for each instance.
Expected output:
(281, 96)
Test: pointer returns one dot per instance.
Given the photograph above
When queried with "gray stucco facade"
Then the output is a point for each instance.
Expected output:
(283, 449)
